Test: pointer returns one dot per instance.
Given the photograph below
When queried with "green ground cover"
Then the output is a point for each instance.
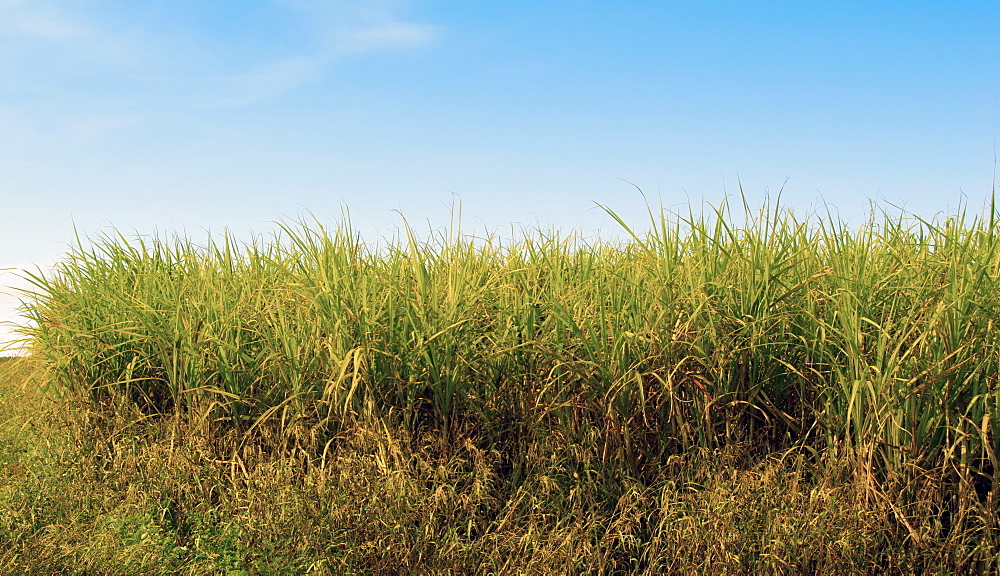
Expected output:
(748, 394)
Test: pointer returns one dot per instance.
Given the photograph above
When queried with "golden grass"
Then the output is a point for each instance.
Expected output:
(779, 396)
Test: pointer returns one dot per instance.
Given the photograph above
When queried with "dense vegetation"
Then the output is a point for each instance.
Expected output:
(550, 403)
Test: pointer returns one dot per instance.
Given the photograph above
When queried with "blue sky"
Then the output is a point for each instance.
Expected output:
(192, 115)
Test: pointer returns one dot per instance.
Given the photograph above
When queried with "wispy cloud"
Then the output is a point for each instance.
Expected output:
(261, 82)
(387, 35)
(344, 29)
(359, 26)
(37, 19)
(84, 49)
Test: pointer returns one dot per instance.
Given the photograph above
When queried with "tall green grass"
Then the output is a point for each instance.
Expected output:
(711, 329)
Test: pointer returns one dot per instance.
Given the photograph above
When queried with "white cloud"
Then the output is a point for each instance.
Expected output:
(396, 35)
(342, 29)
(358, 26)
(261, 82)
(37, 19)
(80, 49)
